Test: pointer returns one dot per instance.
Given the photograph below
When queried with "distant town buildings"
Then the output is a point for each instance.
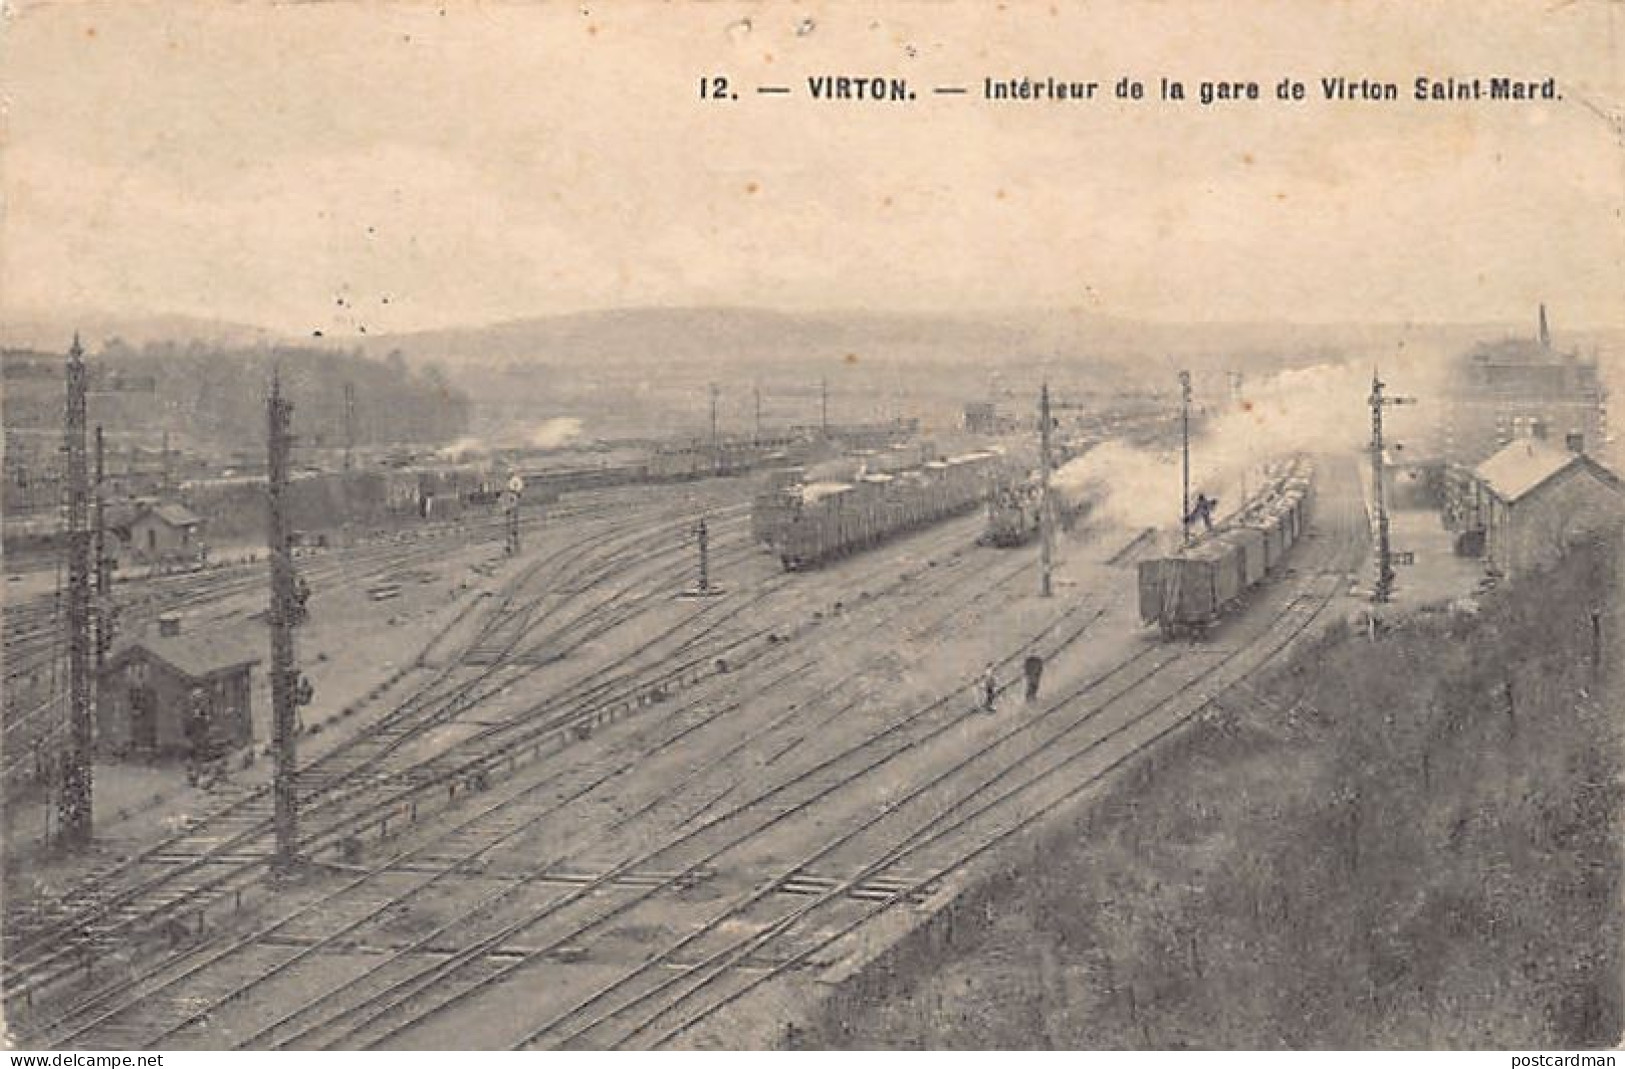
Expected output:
(1522, 388)
(981, 417)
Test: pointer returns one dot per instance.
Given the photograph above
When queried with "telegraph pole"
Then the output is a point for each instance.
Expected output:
(349, 426)
(286, 684)
(1046, 526)
(1185, 453)
(716, 445)
(823, 406)
(76, 798)
(758, 394)
(510, 511)
(1238, 403)
(704, 538)
(704, 589)
(103, 565)
(1385, 561)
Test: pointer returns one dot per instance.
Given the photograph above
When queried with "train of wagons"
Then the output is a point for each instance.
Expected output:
(700, 458)
(1189, 591)
(808, 524)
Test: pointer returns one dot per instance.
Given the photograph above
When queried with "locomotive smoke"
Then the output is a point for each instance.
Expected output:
(552, 433)
(467, 445)
(1320, 409)
(555, 433)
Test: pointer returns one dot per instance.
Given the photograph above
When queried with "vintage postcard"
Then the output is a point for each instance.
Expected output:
(907, 524)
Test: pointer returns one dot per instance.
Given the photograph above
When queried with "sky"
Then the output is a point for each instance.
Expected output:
(402, 166)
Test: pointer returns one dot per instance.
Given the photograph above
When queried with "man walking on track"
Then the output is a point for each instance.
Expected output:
(990, 690)
(1033, 667)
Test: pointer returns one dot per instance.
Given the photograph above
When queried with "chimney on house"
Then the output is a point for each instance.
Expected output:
(169, 625)
(1576, 441)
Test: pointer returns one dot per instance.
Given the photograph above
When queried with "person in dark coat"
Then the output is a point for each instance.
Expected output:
(1033, 668)
(1203, 510)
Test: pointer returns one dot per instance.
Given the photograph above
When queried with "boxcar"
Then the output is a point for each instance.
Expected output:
(1193, 588)
(1272, 531)
(1249, 545)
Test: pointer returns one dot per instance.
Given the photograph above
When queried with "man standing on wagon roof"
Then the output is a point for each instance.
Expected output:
(1203, 510)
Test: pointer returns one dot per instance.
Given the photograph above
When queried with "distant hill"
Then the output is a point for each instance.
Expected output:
(53, 333)
(214, 394)
(730, 343)
(731, 336)
(717, 336)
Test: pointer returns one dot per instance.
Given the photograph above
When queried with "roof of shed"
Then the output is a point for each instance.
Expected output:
(172, 513)
(197, 654)
(1524, 465)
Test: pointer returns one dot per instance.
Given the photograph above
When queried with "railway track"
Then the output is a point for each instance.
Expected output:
(1022, 569)
(996, 791)
(37, 618)
(492, 826)
(31, 626)
(1084, 737)
(34, 628)
(188, 856)
(109, 904)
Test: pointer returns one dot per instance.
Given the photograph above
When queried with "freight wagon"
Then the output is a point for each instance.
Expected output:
(1191, 590)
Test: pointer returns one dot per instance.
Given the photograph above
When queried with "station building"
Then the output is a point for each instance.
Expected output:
(1532, 500)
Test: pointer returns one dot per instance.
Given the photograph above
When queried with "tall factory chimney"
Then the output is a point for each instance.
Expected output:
(1545, 332)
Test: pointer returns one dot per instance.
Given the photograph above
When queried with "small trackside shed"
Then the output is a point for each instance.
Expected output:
(145, 697)
(164, 533)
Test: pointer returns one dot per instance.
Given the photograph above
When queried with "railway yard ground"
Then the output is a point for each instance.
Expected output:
(551, 803)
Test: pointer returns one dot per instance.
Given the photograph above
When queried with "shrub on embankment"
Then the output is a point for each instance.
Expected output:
(1412, 842)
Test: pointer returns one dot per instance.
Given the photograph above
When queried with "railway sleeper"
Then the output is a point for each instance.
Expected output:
(872, 890)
